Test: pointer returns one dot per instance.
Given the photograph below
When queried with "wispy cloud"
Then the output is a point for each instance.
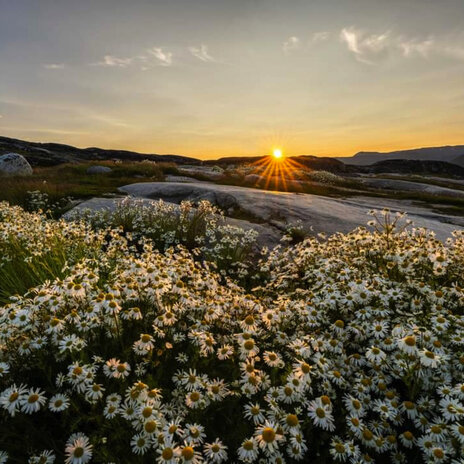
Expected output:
(370, 48)
(320, 36)
(114, 61)
(164, 58)
(411, 47)
(54, 66)
(201, 53)
(366, 48)
(292, 43)
(153, 56)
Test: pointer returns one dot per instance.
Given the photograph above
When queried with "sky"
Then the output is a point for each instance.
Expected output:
(213, 78)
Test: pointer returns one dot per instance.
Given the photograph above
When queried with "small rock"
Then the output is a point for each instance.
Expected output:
(13, 164)
(98, 170)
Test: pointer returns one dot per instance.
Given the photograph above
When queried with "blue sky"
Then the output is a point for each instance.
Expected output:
(217, 78)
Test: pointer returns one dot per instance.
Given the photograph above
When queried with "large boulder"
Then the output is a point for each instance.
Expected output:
(13, 164)
(98, 170)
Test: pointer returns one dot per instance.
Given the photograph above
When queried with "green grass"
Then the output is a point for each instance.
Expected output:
(72, 180)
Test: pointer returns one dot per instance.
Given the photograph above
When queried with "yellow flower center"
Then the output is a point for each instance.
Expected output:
(187, 453)
(410, 340)
(268, 434)
(167, 454)
(292, 420)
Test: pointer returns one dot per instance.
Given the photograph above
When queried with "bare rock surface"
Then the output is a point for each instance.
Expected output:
(267, 236)
(407, 186)
(276, 209)
(173, 178)
(13, 164)
(98, 170)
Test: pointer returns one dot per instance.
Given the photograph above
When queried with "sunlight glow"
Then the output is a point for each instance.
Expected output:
(277, 153)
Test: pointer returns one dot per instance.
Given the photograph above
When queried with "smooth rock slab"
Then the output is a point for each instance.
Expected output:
(98, 170)
(13, 164)
(267, 236)
(277, 209)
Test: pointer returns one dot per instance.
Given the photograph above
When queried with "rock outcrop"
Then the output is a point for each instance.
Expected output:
(98, 170)
(13, 164)
(278, 209)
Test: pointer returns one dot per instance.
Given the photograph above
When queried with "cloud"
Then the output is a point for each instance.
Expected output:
(410, 47)
(54, 66)
(370, 48)
(292, 43)
(164, 58)
(201, 53)
(320, 36)
(366, 48)
(113, 61)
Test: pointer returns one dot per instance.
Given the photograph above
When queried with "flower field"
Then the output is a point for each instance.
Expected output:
(119, 346)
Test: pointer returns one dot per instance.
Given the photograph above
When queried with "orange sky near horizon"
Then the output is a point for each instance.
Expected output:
(212, 78)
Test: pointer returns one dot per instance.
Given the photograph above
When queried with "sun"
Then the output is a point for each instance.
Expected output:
(277, 153)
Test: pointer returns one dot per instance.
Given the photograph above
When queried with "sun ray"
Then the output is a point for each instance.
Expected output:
(279, 172)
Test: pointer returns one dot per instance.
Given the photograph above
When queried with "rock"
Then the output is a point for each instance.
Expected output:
(13, 164)
(98, 170)
(276, 209)
(254, 179)
(173, 178)
(267, 236)
(408, 186)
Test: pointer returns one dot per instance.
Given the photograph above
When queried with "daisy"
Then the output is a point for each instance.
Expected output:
(94, 392)
(167, 453)
(32, 401)
(215, 452)
(375, 355)
(321, 415)
(339, 450)
(78, 450)
(253, 412)
(291, 423)
(268, 437)
(11, 398)
(4, 368)
(194, 433)
(408, 344)
(58, 403)
(195, 399)
(457, 431)
(272, 359)
(45, 457)
(225, 352)
(248, 451)
(187, 454)
(429, 358)
(140, 443)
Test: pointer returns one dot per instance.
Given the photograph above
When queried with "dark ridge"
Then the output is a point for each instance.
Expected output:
(446, 153)
(403, 166)
(308, 161)
(51, 154)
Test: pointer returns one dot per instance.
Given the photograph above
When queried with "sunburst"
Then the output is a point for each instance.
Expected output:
(278, 172)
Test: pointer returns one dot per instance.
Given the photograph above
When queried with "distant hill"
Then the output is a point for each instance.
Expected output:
(459, 160)
(50, 154)
(446, 153)
(309, 161)
(420, 167)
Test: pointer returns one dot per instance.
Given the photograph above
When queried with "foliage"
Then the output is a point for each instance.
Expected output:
(349, 349)
(72, 180)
